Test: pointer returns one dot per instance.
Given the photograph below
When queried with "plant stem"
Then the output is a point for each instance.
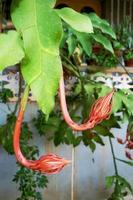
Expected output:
(19, 93)
(126, 70)
(113, 155)
(115, 165)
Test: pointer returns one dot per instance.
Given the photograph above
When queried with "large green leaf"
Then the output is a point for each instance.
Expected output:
(103, 40)
(11, 49)
(77, 21)
(72, 43)
(117, 102)
(102, 24)
(84, 40)
(128, 102)
(41, 30)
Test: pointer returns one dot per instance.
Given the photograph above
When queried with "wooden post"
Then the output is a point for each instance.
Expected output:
(112, 11)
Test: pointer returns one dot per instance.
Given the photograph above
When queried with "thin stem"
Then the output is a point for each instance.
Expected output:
(74, 67)
(126, 70)
(113, 155)
(115, 165)
(19, 93)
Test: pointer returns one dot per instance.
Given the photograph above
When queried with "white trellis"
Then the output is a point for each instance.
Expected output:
(119, 81)
(114, 79)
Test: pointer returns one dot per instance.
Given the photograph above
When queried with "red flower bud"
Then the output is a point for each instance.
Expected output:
(50, 164)
(128, 155)
(129, 145)
(101, 108)
(120, 141)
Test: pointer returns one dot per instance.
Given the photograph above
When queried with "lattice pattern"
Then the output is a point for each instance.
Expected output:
(11, 80)
(120, 81)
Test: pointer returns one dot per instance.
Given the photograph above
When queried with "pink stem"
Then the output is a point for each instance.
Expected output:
(100, 110)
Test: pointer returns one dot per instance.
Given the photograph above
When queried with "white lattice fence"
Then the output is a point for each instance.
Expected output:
(120, 81)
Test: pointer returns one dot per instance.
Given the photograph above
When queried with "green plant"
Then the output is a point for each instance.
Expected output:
(128, 56)
(103, 59)
(29, 181)
(103, 35)
(124, 35)
(38, 45)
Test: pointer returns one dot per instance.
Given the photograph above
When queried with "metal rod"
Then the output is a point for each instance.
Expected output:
(73, 173)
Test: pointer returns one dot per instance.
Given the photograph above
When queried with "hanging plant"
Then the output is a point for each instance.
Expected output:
(35, 44)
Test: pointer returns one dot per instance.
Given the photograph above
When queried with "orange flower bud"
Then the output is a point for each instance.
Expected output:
(51, 164)
(128, 155)
(120, 141)
(101, 108)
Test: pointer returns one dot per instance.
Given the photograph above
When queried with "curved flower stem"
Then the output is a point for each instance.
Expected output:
(49, 163)
(19, 92)
(100, 110)
(67, 118)
(17, 130)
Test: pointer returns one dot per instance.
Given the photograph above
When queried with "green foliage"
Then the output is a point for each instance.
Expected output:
(41, 43)
(122, 187)
(102, 25)
(128, 55)
(84, 40)
(76, 20)
(6, 134)
(99, 38)
(5, 94)
(11, 49)
(39, 27)
(125, 34)
(103, 59)
(29, 181)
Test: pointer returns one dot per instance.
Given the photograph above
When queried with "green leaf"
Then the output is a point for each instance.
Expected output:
(104, 90)
(84, 40)
(50, 3)
(128, 102)
(103, 131)
(92, 146)
(71, 42)
(125, 183)
(98, 37)
(112, 122)
(77, 21)
(102, 24)
(11, 49)
(109, 181)
(41, 30)
(126, 162)
(98, 139)
(117, 101)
